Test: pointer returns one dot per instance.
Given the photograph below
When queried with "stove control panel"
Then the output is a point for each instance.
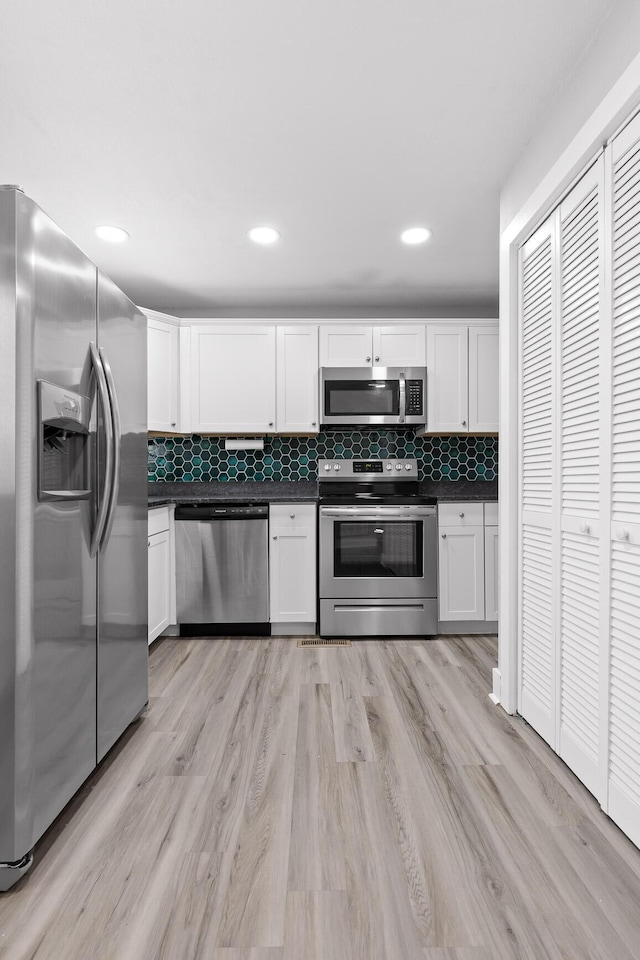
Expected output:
(389, 469)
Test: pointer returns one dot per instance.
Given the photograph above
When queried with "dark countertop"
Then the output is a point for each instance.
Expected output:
(448, 490)
(299, 491)
(240, 491)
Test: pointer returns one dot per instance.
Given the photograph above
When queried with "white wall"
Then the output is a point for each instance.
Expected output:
(595, 100)
(602, 63)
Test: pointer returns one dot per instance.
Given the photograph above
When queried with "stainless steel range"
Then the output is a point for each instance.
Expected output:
(378, 550)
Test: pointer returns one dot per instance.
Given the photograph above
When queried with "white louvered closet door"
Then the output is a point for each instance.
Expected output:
(624, 665)
(538, 310)
(581, 261)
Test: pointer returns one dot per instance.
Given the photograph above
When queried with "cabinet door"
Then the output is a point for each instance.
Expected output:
(491, 572)
(292, 563)
(162, 375)
(399, 346)
(159, 564)
(345, 345)
(297, 376)
(461, 573)
(483, 379)
(447, 379)
(233, 370)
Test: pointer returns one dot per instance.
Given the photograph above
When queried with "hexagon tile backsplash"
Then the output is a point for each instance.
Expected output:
(296, 458)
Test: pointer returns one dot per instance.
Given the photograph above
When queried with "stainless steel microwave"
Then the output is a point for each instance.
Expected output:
(372, 396)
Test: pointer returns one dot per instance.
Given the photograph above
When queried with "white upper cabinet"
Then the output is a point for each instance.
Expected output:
(233, 378)
(483, 379)
(356, 345)
(399, 346)
(297, 379)
(346, 345)
(462, 377)
(447, 378)
(163, 360)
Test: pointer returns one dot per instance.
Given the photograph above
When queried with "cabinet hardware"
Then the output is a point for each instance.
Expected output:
(313, 423)
(173, 424)
(461, 515)
(368, 359)
(623, 535)
(585, 528)
(292, 515)
(377, 359)
(464, 423)
(275, 538)
(444, 536)
(270, 423)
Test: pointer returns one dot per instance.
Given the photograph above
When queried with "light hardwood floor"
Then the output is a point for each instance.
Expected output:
(348, 803)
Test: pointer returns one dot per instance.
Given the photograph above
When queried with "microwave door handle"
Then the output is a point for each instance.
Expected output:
(116, 434)
(403, 397)
(103, 394)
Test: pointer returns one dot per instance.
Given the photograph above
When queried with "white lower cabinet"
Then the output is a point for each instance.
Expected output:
(162, 571)
(491, 571)
(468, 561)
(292, 563)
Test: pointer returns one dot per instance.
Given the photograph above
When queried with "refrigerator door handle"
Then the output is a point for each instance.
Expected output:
(117, 448)
(103, 393)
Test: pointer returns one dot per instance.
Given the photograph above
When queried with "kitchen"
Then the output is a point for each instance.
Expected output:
(209, 810)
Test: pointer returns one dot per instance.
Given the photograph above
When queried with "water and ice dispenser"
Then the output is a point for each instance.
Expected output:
(63, 463)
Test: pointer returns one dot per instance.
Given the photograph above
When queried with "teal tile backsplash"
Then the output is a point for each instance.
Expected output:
(296, 458)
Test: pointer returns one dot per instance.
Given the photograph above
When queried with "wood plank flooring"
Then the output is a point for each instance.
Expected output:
(346, 803)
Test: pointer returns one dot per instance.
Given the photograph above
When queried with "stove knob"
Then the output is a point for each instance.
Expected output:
(408, 466)
(336, 466)
(327, 466)
(398, 466)
(389, 466)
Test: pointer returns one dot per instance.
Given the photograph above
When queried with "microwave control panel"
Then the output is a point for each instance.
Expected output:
(414, 398)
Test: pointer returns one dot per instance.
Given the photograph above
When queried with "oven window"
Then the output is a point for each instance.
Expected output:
(361, 397)
(365, 548)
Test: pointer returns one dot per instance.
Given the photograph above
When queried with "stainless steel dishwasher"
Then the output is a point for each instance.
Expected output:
(222, 569)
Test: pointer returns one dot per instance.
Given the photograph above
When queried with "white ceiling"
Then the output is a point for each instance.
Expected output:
(340, 122)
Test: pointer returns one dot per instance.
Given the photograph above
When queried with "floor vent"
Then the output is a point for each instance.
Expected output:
(319, 642)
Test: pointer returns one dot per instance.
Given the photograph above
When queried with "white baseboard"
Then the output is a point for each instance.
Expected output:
(495, 695)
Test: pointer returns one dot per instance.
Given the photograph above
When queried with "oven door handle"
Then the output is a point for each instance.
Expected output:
(403, 397)
(363, 513)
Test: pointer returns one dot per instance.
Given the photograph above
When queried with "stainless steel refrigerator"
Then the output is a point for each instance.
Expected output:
(73, 522)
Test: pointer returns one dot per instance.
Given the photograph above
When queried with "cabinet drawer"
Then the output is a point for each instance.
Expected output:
(463, 514)
(158, 520)
(286, 515)
(491, 514)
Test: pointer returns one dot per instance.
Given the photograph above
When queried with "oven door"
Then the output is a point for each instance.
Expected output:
(381, 552)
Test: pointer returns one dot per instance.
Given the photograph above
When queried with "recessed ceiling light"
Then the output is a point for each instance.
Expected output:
(415, 235)
(263, 234)
(112, 234)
